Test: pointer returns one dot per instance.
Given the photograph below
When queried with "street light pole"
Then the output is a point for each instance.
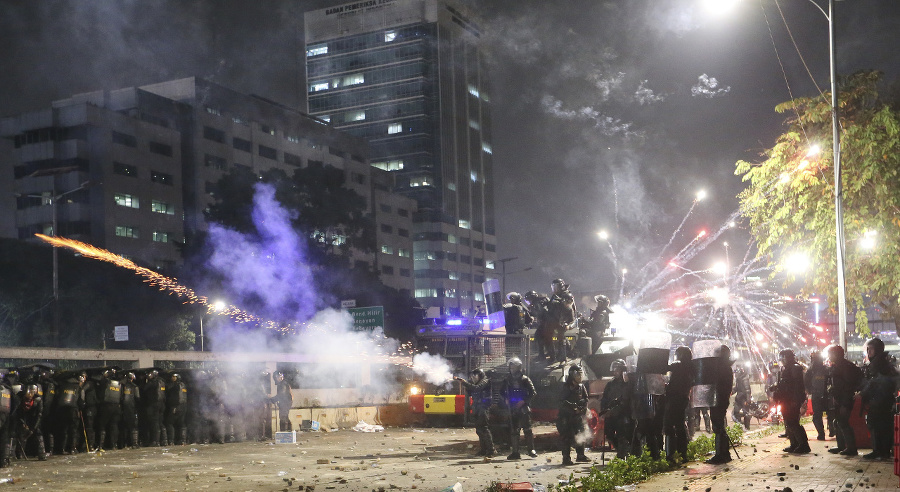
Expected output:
(838, 193)
(503, 273)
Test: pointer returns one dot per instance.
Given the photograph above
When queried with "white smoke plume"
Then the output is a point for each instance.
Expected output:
(433, 368)
(645, 95)
(708, 87)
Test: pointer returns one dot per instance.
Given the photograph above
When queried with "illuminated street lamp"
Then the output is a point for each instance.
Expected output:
(700, 195)
(217, 306)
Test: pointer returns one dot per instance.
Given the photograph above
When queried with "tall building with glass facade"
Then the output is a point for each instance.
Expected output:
(410, 77)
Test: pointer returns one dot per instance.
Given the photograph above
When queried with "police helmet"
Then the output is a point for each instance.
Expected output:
(514, 297)
(514, 364)
(175, 377)
(575, 369)
(558, 284)
(277, 374)
(835, 351)
(683, 354)
(31, 390)
(478, 372)
(877, 344)
(601, 300)
(130, 376)
(617, 365)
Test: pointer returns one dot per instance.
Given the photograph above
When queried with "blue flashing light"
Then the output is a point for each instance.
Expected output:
(454, 322)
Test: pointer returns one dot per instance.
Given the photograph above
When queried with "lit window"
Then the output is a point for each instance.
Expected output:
(486, 147)
(390, 36)
(474, 176)
(473, 90)
(479, 297)
(449, 292)
(394, 128)
(292, 138)
(162, 207)
(354, 79)
(474, 125)
(316, 50)
(489, 264)
(464, 224)
(403, 252)
(426, 293)
(214, 111)
(356, 116)
(419, 181)
(338, 240)
(319, 86)
(325, 117)
(124, 200)
(388, 250)
(161, 237)
(123, 231)
(395, 165)
(451, 238)
(451, 186)
(454, 276)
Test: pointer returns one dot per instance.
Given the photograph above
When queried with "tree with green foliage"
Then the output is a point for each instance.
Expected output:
(789, 199)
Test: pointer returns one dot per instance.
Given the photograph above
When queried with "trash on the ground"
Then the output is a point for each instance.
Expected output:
(286, 437)
(361, 426)
(309, 425)
(323, 461)
(517, 487)
(626, 488)
(282, 473)
(457, 487)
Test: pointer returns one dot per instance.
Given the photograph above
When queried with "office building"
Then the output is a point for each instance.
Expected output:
(410, 77)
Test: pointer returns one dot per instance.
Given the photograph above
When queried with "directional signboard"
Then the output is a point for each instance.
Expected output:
(367, 318)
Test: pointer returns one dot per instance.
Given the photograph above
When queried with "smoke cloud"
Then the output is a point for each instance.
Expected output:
(708, 87)
(433, 368)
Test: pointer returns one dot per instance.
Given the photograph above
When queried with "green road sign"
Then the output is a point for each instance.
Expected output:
(367, 318)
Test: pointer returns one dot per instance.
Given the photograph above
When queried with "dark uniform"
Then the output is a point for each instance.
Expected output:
(814, 380)
(516, 318)
(131, 396)
(27, 426)
(571, 418)
(284, 400)
(110, 412)
(537, 307)
(742, 397)
(153, 404)
(878, 395)
(176, 408)
(89, 409)
(599, 321)
(518, 391)
(48, 393)
(6, 408)
(615, 406)
(717, 413)
(845, 380)
(479, 390)
(681, 379)
(790, 393)
(68, 407)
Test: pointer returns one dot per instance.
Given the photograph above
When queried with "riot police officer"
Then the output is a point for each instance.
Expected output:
(877, 394)
(284, 400)
(131, 396)
(67, 410)
(27, 426)
(615, 407)
(152, 400)
(790, 393)
(176, 408)
(717, 413)
(599, 320)
(681, 379)
(561, 308)
(814, 380)
(89, 409)
(110, 410)
(571, 417)
(478, 388)
(7, 405)
(48, 389)
(845, 380)
(518, 391)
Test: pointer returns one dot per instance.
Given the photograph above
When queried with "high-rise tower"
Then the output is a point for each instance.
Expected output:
(410, 77)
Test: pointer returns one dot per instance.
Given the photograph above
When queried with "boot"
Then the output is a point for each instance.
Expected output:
(723, 454)
(529, 441)
(580, 457)
(670, 447)
(567, 456)
(51, 441)
(41, 451)
(182, 436)
(102, 441)
(135, 439)
(514, 445)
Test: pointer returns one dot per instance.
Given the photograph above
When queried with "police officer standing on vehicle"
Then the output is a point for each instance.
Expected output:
(615, 407)
(599, 320)
(516, 318)
(176, 408)
(518, 391)
(790, 393)
(878, 394)
(571, 417)
(284, 400)
(681, 379)
(479, 389)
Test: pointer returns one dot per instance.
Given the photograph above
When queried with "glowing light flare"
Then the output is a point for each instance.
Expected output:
(759, 337)
(785, 177)
(814, 150)
(819, 329)
(680, 302)
(719, 296)
(700, 195)
(868, 240)
(719, 268)
(797, 263)
(603, 235)
(701, 233)
(719, 8)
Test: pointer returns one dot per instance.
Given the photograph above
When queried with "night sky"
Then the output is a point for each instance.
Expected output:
(607, 114)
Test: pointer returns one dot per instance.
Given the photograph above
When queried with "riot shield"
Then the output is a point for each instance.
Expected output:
(650, 365)
(706, 369)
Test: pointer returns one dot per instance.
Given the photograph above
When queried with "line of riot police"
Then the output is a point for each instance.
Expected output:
(43, 413)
